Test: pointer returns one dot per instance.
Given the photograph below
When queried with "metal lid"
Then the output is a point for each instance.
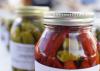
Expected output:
(30, 10)
(69, 18)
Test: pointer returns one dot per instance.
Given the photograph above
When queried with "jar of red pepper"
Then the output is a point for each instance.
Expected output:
(67, 43)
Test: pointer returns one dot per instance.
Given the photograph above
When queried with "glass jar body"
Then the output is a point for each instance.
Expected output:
(66, 48)
(98, 39)
(24, 34)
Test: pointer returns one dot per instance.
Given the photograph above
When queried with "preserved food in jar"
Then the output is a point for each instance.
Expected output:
(97, 28)
(8, 24)
(5, 26)
(25, 32)
(98, 39)
(67, 43)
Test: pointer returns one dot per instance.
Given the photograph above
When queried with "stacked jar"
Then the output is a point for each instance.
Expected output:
(25, 32)
(67, 43)
(5, 26)
(98, 39)
(97, 29)
(8, 24)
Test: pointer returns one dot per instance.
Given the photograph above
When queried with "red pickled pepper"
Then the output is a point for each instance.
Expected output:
(57, 64)
(42, 43)
(69, 65)
(94, 60)
(88, 48)
(98, 46)
(50, 60)
(43, 59)
(85, 64)
(39, 56)
(51, 48)
(54, 62)
(87, 44)
(37, 53)
(50, 44)
(57, 42)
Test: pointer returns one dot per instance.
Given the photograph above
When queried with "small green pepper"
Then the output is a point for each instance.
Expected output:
(65, 56)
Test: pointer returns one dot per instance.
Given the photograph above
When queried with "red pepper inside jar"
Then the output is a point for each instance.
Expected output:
(67, 43)
(98, 39)
(98, 45)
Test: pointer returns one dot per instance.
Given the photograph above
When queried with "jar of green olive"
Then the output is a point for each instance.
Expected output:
(25, 32)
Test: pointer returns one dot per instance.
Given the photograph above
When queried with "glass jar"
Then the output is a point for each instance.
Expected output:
(2, 28)
(25, 32)
(67, 43)
(5, 25)
(97, 29)
(98, 39)
(8, 24)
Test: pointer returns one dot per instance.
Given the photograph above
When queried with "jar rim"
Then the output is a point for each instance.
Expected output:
(30, 10)
(68, 18)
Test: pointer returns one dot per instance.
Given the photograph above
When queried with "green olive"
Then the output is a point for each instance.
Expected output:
(27, 37)
(26, 32)
(15, 35)
(66, 44)
(27, 26)
(65, 56)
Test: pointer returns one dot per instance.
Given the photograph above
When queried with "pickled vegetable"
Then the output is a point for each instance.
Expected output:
(25, 32)
(98, 34)
(67, 43)
(65, 56)
(98, 45)
(56, 47)
(98, 39)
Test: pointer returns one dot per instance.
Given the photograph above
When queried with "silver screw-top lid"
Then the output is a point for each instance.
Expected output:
(30, 10)
(69, 18)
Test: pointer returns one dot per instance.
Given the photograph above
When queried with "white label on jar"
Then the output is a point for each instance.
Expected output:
(40, 67)
(22, 56)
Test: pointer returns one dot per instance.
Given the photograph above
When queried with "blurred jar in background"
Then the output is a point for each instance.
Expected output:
(2, 27)
(97, 28)
(3, 3)
(47, 3)
(74, 5)
(97, 5)
(8, 21)
(88, 4)
(25, 33)
(5, 26)
(17, 3)
(98, 39)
